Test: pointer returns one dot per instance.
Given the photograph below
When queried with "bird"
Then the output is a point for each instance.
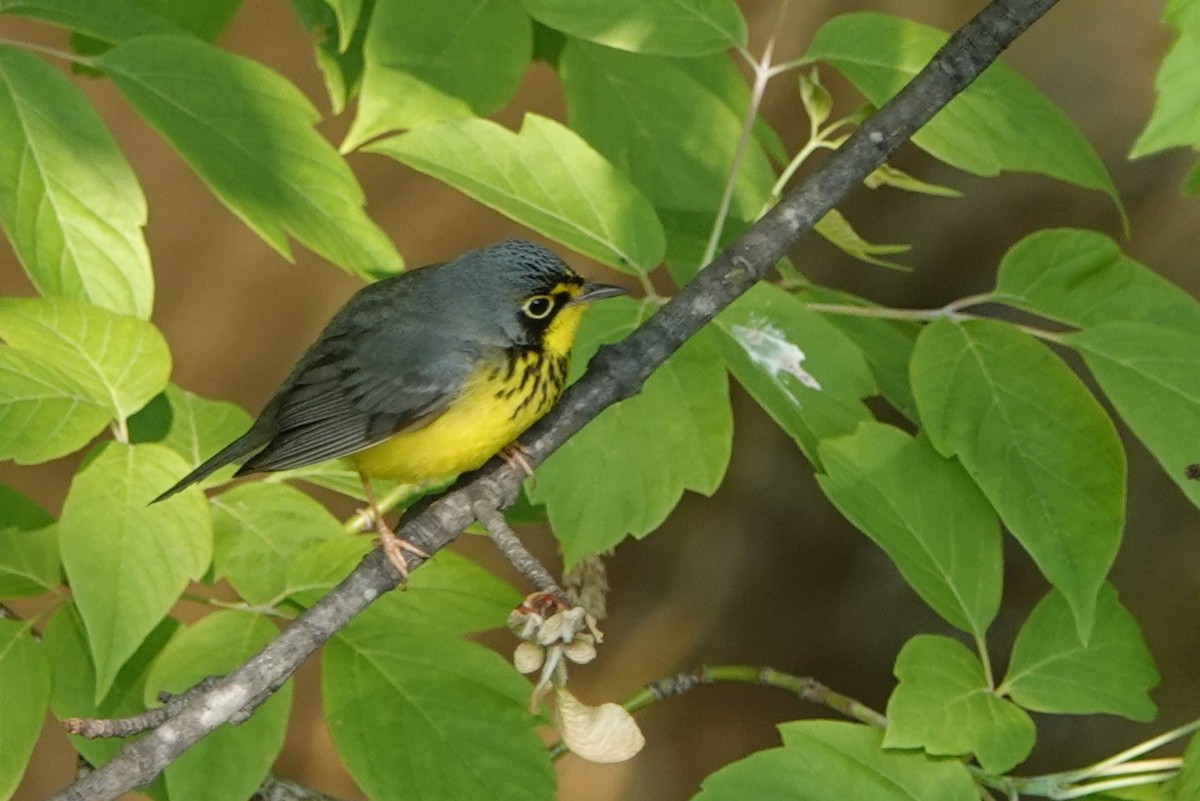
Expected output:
(424, 375)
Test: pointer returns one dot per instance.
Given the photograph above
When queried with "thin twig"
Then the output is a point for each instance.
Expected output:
(487, 512)
(806, 687)
(616, 373)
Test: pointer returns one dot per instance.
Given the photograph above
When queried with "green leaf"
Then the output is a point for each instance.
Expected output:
(1082, 278)
(339, 49)
(678, 28)
(347, 13)
(206, 20)
(121, 362)
(69, 202)
(24, 696)
(110, 21)
(231, 762)
(248, 134)
(1052, 671)
(1036, 442)
(545, 177)
(808, 376)
(885, 345)
(74, 678)
(944, 705)
(428, 62)
(450, 594)
(887, 175)
(455, 723)
(127, 562)
(667, 124)
(44, 413)
(824, 759)
(29, 562)
(984, 130)
(1186, 785)
(1175, 121)
(835, 229)
(1149, 375)
(259, 529)
(926, 513)
(192, 426)
(626, 471)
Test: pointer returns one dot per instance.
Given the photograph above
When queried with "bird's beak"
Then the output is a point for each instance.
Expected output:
(595, 291)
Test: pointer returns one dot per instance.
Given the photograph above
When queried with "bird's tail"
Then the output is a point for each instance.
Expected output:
(247, 443)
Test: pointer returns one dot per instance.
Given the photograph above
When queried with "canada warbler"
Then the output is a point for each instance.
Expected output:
(424, 375)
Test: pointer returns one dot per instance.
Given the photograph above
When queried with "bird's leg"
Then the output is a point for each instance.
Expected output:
(392, 546)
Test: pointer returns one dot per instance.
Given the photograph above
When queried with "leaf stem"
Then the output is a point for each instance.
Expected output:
(806, 687)
(784, 66)
(1105, 766)
(762, 69)
(74, 58)
(1095, 788)
(947, 311)
(986, 660)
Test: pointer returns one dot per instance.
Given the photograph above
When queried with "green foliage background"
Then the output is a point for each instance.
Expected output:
(984, 429)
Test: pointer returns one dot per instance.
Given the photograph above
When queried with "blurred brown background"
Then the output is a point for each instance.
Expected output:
(765, 572)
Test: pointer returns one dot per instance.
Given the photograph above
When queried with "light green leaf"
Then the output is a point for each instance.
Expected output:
(24, 696)
(29, 562)
(455, 723)
(192, 426)
(1082, 278)
(44, 413)
(926, 513)
(121, 362)
(676, 28)
(259, 529)
(247, 133)
(338, 49)
(206, 20)
(887, 175)
(885, 345)
(944, 705)
(808, 376)
(1176, 118)
(626, 471)
(545, 177)
(1052, 671)
(231, 762)
(984, 130)
(74, 678)
(835, 229)
(824, 759)
(126, 561)
(1186, 785)
(667, 124)
(1036, 442)
(450, 594)
(1149, 374)
(428, 62)
(69, 202)
(110, 21)
(347, 13)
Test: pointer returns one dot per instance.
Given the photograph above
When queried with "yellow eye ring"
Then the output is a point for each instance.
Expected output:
(538, 307)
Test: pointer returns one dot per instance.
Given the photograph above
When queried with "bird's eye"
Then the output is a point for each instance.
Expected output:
(538, 307)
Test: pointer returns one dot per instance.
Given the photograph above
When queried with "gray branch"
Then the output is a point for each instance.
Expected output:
(617, 372)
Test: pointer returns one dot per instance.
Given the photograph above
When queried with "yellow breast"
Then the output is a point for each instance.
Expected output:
(499, 402)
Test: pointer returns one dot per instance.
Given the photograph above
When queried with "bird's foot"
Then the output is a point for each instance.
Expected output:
(395, 548)
(515, 455)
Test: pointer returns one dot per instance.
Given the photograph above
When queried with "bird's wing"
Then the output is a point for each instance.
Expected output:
(364, 380)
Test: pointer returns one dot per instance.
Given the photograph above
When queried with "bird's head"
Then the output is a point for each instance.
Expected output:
(543, 298)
